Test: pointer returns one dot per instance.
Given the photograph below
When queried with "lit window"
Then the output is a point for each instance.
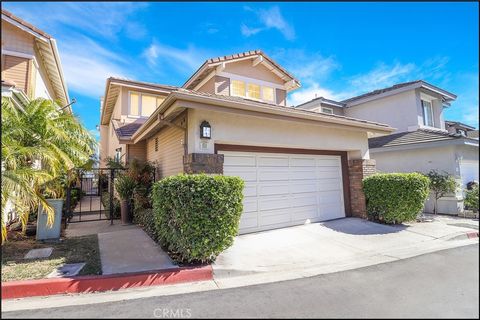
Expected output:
(134, 105)
(267, 94)
(149, 104)
(327, 110)
(253, 91)
(427, 113)
(238, 88)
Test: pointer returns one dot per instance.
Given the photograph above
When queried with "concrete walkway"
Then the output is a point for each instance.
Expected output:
(123, 248)
(131, 250)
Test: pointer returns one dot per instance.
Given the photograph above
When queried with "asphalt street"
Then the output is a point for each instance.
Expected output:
(442, 284)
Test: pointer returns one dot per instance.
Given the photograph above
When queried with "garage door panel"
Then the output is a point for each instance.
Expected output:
(250, 190)
(331, 211)
(329, 162)
(280, 174)
(328, 175)
(284, 189)
(302, 162)
(271, 203)
(304, 199)
(273, 189)
(329, 185)
(301, 214)
(247, 174)
(271, 161)
(303, 187)
(330, 197)
(240, 160)
(302, 175)
(274, 217)
(250, 205)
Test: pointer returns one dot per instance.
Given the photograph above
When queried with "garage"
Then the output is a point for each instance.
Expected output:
(284, 189)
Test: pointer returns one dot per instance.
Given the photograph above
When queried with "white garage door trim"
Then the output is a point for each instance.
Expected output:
(287, 189)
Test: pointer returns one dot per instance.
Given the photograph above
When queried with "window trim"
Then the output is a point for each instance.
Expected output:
(327, 108)
(257, 83)
(430, 102)
(140, 94)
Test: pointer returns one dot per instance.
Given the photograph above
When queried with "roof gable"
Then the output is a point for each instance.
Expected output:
(255, 57)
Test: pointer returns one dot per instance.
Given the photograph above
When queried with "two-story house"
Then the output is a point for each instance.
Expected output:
(31, 66)
(230, 117)
(423, 140)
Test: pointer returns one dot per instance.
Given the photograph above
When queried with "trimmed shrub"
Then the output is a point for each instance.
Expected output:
(471, 198)
(145, 218)
(197, 216)
(395, 197)
(106, 205)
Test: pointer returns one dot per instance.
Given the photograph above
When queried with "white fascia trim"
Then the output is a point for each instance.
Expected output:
(442, 93)
(56, 56)
(423, 145)
(138, 87)
(207, 78)
(251, 80)
(21, 55)
(26, 29)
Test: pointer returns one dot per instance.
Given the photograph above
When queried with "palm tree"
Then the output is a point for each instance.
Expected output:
(40, 144)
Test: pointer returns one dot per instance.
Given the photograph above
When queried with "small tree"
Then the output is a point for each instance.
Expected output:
(441, 184)
(471, 198)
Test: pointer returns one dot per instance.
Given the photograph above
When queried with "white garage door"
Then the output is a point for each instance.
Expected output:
(285, 190)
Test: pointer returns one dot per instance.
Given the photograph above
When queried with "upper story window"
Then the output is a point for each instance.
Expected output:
(252, 90)
(327, 110)
(142, 105)
(427, 113)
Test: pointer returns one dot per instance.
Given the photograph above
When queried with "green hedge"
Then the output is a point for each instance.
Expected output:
(145, 218)
(471, 198)
(197, 216)
(106, 205)
(395, 197)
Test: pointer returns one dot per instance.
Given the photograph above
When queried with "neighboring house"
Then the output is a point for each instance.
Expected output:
(230, 117)
(31, 65)
(423, 140)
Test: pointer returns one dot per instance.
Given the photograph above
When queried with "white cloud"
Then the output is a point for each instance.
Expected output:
(105, 19)
(183, 60)
(311, 92)
(382, 76)
(87, 65)
(270, 18)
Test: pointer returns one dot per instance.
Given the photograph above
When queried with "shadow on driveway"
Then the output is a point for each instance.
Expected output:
(356, 226)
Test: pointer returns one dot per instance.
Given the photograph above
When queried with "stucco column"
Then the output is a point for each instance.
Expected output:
(357, 170)
(203, 163)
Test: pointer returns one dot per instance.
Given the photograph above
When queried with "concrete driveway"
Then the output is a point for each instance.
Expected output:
(333, 246)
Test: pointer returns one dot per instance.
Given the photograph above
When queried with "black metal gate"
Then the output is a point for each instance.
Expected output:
(91, 196)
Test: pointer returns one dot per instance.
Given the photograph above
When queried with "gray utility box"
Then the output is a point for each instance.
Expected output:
(45, 232)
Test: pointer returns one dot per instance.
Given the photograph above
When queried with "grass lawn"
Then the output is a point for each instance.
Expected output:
(69, 250)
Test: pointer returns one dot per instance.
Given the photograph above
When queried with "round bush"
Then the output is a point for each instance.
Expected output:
(395, 197)
(197, 216)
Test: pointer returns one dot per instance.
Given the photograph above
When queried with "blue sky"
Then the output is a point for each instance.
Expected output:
(337, 50)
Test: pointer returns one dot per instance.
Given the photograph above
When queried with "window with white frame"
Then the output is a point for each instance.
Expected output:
(327, 110)
(142, 105)
(427, 113)
(252, 90)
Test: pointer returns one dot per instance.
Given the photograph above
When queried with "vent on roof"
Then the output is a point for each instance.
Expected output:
(156, 144)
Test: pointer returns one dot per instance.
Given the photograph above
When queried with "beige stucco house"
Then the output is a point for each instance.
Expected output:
(423, 140)
(230, 117)
(31, 66)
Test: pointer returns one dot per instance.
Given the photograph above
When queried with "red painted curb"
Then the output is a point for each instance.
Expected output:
(85, 284)
(472, 235)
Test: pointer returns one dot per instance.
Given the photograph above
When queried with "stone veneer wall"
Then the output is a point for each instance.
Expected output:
(203, 163)
(357, 170)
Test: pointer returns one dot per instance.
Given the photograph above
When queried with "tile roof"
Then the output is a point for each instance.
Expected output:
(127, 130)
(322, 99)
(405, 138)
(379, 91)
(274, 106)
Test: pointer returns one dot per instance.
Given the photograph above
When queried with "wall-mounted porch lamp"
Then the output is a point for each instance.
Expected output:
(205, 130)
